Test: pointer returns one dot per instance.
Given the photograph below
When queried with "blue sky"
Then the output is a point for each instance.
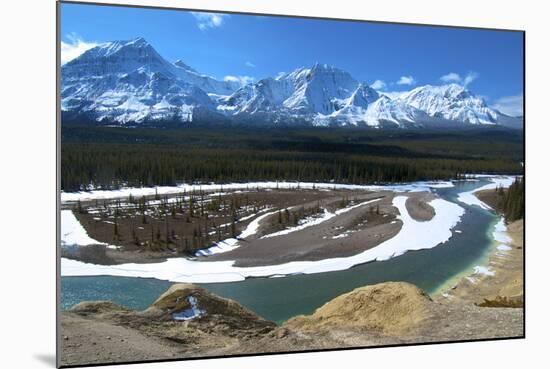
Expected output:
(390, 57)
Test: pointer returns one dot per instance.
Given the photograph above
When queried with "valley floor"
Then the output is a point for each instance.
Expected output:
(282, 232)
(485, 305)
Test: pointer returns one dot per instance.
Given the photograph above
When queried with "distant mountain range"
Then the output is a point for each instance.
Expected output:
(129, 83)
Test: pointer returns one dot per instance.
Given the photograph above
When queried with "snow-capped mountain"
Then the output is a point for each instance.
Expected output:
(128, 82)
(383, 111)
(452, 102)
(305, 92)
(323, 95)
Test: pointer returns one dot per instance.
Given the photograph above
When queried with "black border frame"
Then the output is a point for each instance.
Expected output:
(58, 182)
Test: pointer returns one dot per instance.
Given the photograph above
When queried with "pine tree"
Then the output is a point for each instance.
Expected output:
(116, 227)
(233, 229)
(191, 206)
(80, 209)
(166, 226)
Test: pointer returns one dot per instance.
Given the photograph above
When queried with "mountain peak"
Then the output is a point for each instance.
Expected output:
(181, 64)
(456, 90)
(325, 68)
(322, 66)
(363, 96)
(136, 43)
(451, 102)
(131, 47)
(138, 40)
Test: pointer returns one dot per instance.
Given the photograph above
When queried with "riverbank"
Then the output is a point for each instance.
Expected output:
(498, 282)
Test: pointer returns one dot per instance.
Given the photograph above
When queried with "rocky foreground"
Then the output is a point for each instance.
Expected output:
(188, 321)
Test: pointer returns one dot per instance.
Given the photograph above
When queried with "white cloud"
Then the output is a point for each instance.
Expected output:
(470, 77)
(457, 78)
(406, 80)
(378, 84)
(451, 77)
(510, 105)
(243, 80)
(280, 74)
(250, 64)
(209, 20)
(74, 48)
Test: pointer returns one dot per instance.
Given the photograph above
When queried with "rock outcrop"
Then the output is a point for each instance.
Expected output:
(187, 302)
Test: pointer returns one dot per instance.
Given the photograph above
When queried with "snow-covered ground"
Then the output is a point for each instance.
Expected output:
(232, 243)
(252, 228)
(483, 270)
(503, 240)
(165, 190)
(501, 236)
(305, 223)
(469, 197)
(219, 247)
(72, 232)
(499, 233)
(414, 235)
(312, 221)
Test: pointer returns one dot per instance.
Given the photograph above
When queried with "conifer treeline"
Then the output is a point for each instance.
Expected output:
(109, 166)
(512, 201)
(113, 158)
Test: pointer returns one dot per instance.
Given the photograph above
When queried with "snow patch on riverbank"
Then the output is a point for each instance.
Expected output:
(504, 248)
(232, 243)
(469, 197)
(305, 223)
(315, 220)
(254, 225)
(219, 247)
(414, 235)
(73, 233)
(500, 235)
(483, 270)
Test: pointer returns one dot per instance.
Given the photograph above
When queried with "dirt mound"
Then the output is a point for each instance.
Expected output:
(98, 307)
(391, 308)
(181, 296)
(184, 301)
